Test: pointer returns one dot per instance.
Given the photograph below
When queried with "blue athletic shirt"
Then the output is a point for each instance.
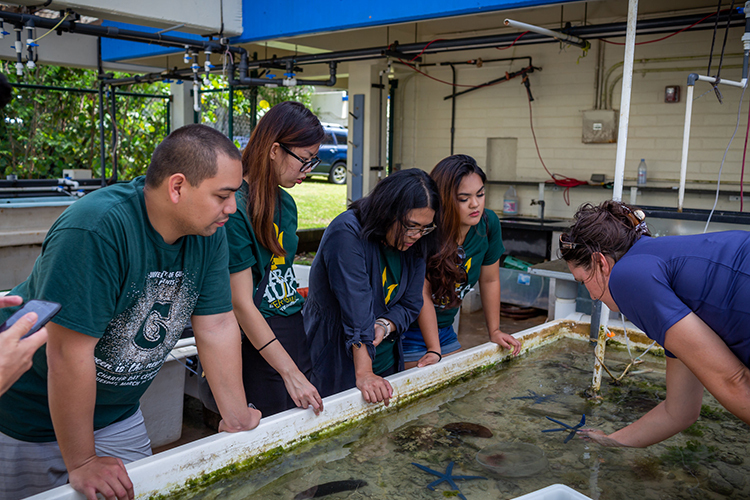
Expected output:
(661, 280)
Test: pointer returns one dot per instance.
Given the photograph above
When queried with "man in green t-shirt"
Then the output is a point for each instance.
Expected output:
(130, 264)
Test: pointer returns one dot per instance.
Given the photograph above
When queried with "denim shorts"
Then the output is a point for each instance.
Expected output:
(414, 347)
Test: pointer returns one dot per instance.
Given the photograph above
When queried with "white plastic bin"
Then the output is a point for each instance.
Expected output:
(554, 492)
(161, 404)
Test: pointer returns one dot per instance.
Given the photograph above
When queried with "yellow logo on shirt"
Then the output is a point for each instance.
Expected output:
(278, 260)
(390, 287)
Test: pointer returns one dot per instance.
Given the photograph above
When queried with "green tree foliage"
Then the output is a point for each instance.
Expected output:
(45, 131)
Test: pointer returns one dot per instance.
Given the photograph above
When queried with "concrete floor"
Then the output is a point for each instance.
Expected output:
(471, 332)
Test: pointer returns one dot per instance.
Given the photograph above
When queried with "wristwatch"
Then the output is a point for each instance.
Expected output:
(385, 324)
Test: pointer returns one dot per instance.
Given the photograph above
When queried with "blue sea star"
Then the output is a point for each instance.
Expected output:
(446, 476)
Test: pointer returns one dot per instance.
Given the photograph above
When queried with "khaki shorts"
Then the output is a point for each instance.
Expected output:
(30, 468)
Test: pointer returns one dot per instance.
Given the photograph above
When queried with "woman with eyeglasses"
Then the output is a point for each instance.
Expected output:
(471, 248)
(262, 237)
(691, 294)
(366, 285)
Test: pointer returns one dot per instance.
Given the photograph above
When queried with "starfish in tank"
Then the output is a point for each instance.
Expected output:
(447, 477)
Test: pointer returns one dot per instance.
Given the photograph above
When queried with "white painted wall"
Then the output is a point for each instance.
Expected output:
(330, 107)
(562, 91)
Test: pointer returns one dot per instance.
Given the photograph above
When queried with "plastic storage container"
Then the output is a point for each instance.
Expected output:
(642, 173)
(510, 201)
(554, 492)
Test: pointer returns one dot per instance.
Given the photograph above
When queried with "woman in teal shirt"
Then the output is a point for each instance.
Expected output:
(471, 250)
(262, 237)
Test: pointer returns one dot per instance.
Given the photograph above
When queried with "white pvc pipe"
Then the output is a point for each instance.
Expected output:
(627, 86)
(686, 134)
(711, 79)
(622, 144)
(685, 145)
(543, 31)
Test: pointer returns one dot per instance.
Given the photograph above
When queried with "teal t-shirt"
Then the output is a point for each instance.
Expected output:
(280, 297)
(390, 269)
(483, 246)
(118, 281)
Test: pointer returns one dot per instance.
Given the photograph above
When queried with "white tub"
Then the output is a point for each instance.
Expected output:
(170, 470)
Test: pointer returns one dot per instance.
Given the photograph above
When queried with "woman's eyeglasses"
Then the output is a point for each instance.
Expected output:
(307, 165)
(461, 254)
(418, 231)
(566, 244)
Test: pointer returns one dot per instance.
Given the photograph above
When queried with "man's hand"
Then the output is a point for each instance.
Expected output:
(103, 475)
(506, 340)
(16, 353)
(249, 420)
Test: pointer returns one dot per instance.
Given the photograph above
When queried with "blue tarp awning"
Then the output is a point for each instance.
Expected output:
(287, 18)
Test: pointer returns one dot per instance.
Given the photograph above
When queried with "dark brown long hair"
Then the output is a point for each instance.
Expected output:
(609, 228)
(293, 125)
(444, 268)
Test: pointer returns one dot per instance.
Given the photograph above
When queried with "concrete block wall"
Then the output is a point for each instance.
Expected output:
(562, 91)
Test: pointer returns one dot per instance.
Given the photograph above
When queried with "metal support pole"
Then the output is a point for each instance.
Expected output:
(627, 87)
(453, 109)
(686, 141)
(391, 122)
(230, 117)
(102, 151)
(115, 132)
(169, 116)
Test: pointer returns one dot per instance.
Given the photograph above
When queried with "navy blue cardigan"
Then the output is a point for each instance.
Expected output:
(346, 297)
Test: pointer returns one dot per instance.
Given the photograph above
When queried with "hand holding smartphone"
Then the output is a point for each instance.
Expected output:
(44, 310)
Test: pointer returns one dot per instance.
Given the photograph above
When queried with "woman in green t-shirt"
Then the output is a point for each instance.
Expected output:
(262, 237)
(471, 250)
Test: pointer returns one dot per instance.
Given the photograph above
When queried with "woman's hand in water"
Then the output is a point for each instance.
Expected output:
(600, 438)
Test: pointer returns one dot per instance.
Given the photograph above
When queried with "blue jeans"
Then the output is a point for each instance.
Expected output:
(414, 347)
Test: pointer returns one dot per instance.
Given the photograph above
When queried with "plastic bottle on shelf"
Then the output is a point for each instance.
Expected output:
(510, 201)
(642, 173)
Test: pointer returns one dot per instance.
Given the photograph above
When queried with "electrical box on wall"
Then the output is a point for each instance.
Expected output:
(672, 94)
(599, 126)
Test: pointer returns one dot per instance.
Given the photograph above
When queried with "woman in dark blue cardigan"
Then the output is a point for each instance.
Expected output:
(366, 285)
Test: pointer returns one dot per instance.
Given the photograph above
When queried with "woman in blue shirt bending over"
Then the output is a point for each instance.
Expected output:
(691, 294)
(470, 253)
(366, 285)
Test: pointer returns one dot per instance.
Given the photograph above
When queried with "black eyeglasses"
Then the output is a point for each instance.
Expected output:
(461, 254)
(566, 244)
(418, 231)
(307, 165)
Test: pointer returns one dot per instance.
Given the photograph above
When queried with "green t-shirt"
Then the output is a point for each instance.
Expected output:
(118, 281)
(390, 269)
(483, 246)
(280, 297)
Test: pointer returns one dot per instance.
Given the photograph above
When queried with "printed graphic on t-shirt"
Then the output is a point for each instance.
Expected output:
(281, 291)
(388, 289)
(137, 341)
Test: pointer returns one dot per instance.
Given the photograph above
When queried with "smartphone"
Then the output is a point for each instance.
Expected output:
(44, 310)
